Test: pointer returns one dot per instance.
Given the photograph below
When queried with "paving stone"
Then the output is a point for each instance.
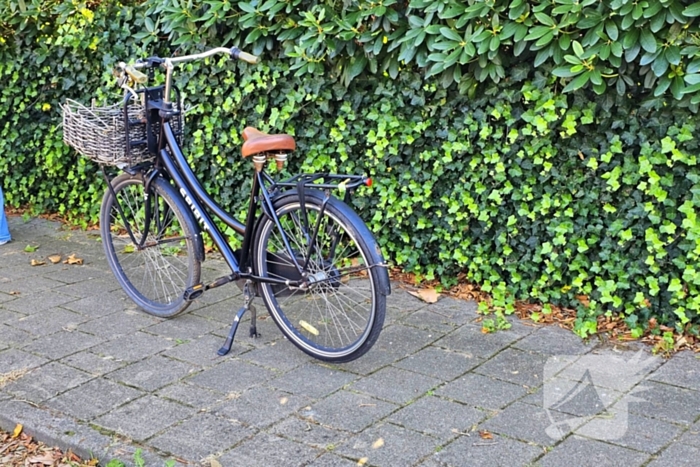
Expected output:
(437, 417)
(100, 304)
(233, 375)
(202, 351)
(469, 339)
(92, 363)
(310, 433)
(13, 360)
(144, 417)
(312, 380)
(15, 337)
(6, 297)
(280, 356)
(574, 398)
(405, 385)
(7, 316)
(189, 394)
(677, 455)
(93, 398)
(586, 452)
(62, 343)
(120, 323)
(398, 446)
(94, 286)
(152, 373)
(27, 303)
(358, 411)
(692, 436)
(26, 287)
(607, 368)
(552, 340)
(439, 363)
(496, 452)
(201, 436)
(669, 403)
(56, 429)
(683, 370)
(524, 422)
(428, 319)
(135, 347)
(403, 301)
(394, 343)
(222, 312)
(480, 391)
(261, 407)
(515, 366)
(185, 326)
(331, 460)
(76, 274)
(46, 381)
(641, 434)
(267, 450)
(50, 320)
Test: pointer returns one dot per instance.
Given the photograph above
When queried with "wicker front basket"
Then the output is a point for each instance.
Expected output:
(99, 133)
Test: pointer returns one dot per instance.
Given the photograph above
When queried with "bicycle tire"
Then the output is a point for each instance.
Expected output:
(339, 318)
(155, 277)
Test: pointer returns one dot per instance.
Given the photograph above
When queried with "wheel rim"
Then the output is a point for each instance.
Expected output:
(159, 273)
(334, 317)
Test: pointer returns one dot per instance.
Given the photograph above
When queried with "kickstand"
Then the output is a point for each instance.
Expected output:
(247, 298)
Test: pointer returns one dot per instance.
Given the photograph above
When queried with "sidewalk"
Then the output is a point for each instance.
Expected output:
(99, 376)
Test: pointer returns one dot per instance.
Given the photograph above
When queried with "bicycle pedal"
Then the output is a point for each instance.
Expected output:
(193, 292)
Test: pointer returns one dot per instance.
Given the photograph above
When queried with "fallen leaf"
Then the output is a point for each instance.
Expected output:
(362, 461)
(283, 400)
(14, 292)
(427, 295)
(583, 299)
(17, 431)
(46, 459)
(55, 259)
(36, 262)
(73, 260)
(378, 444)
(214, 463)
(308, 327)
(31, 248)
(485, 434)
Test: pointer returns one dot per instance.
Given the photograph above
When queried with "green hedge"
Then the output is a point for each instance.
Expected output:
(546, 149)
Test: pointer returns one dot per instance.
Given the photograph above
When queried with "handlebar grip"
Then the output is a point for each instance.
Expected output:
(246, 57)
(136, 75)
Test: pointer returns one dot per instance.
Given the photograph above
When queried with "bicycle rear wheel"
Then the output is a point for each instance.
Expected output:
(339, 317)
(156, 275)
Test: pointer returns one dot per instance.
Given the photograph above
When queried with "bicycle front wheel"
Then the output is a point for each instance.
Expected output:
(153, 272)
(340, 315)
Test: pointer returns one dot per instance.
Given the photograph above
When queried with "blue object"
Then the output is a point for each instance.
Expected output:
(4, 229)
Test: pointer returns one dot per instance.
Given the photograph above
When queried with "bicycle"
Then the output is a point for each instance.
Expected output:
(305, 252)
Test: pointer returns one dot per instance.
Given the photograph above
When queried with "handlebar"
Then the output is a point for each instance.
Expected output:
(151, 62)
(132, 71)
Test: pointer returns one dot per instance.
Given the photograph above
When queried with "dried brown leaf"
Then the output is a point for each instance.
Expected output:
(427, 295)
(485, 434)
(36, 262)
(378, 443)
(73, 260)
(55, 259)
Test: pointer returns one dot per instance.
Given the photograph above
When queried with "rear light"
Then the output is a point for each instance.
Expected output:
(368, 181)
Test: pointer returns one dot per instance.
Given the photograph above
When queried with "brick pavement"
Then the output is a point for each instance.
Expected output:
(103, 378)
